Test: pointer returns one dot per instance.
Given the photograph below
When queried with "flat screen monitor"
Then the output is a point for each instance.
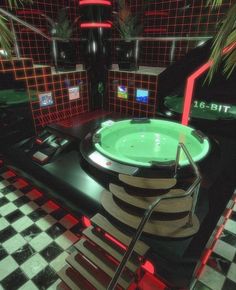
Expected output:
(46, 99)
(142, 95)
(122, 92)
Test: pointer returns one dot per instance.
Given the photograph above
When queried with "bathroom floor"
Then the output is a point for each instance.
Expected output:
(36, 235)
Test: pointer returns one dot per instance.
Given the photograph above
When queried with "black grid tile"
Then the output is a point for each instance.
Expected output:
(3, 201)
(56, 230)
(3, 253)
(31, 232)
(6, 234)
(229, 238)
(229, 285)
(15, 215)
(59, 213)
(15, 280)
(21, 201)
(51, 252)
(44, 279)
(37, 214)
(8, 189)
(23, 254)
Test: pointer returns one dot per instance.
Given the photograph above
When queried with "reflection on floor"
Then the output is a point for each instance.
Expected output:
(36, 235)
(217, 270)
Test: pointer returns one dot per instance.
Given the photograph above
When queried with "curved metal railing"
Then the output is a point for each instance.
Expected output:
(193, 189)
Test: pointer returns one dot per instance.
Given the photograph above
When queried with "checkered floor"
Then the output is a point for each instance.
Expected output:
(219, 272)
(36, 235)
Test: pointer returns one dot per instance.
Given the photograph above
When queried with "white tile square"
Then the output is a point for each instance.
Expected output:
(3, 223)
(7, 266)
(40, 241)
(34, 194)
(22, 224)
(54, 286)
(46, 222)
(59, 262)
(224, 250)
(66, 240)
(230, 226)
(33, 265)
(68, 221)
(28, 208)
(232, 272)
(211, 278)
(14, 243)
(3, 184)
(7, 208)
(14, 195)
(28, 286)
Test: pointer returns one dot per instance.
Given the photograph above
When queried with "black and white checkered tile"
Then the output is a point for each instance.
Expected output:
(218, 271)
(36, 235)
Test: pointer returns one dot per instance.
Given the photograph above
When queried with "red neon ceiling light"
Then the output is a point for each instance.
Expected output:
(95, 2)
(95, 25)
(188, 95)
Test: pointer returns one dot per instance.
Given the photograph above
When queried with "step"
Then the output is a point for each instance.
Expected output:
(73, 279)
(99, 279)
(93, 235)
(100, 221)
(103, 262)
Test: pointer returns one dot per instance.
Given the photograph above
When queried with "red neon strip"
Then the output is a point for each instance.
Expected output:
(219, 232)
(228, 213)
(156, 13)
(86, 221)
(191, 82)
(155, 30)
(95, 25)
(149, 267)
(95, 2)
(206, 256)
(115, 241)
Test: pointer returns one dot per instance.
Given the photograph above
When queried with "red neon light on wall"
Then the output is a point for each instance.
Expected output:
(115, 241)
(95, 2)
(95, 25)
(157, 13)
(148, 266)
(191, 82)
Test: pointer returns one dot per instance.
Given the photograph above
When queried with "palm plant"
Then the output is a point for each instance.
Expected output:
(6, 38)
(225, 37)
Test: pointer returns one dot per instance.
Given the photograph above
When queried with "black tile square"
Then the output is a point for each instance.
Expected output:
(56, 230)
(3, 201)
(233, 216)
(27, 188)
(229, 285)
(77, 229)
(59, 213)
(6, 234)
(37, 214)
(219, 263)
(15, 215)
(51, 252)
(44, 279)
(3, 253)
(8, 189)
(31, 232)
(15, 280)
(200, 286)
(23, 254)
(21, 200)
(228, 237)
(234, 260)
(40, 201)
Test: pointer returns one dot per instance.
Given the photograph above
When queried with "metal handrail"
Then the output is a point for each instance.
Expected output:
(150, 210)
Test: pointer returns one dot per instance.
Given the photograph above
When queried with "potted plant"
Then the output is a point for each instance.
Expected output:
(63, 49)
(225, 37)
(7, 38)
(129, 27)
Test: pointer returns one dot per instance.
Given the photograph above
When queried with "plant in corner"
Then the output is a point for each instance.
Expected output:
(225, 37)
(128, 26)
(6, 38)
(63, 49)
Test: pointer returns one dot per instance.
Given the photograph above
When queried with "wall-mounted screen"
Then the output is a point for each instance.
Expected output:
(142, 95)
(73, 93)
(46, 99)
(122, 92)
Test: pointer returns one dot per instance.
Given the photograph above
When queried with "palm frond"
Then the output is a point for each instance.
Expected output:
(214, 3)
(225, 36)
